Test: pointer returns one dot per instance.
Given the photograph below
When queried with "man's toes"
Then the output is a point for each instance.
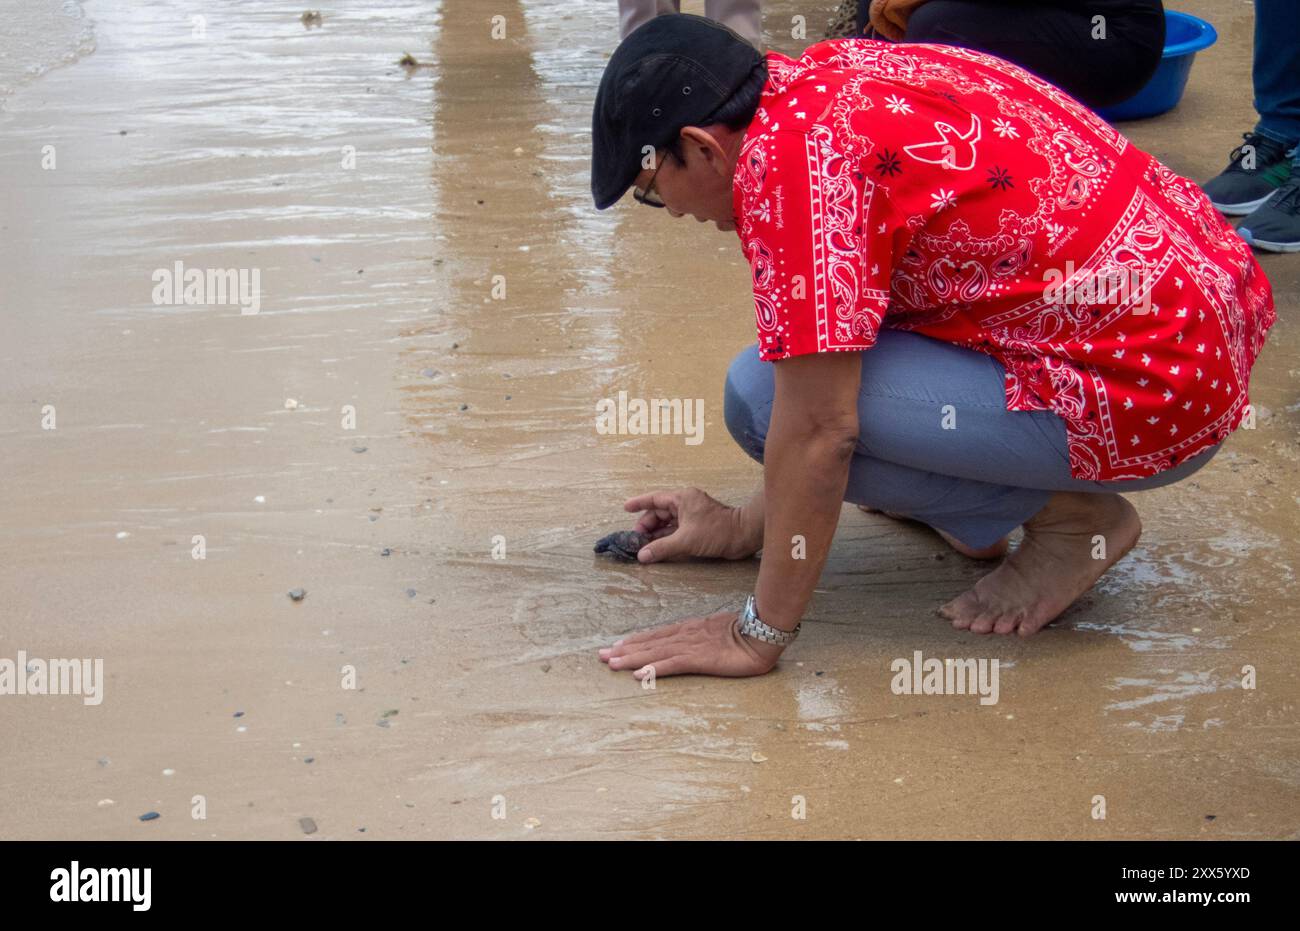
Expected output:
(1033, 624)
(1009, 621)
(962, 610)
(984, 621)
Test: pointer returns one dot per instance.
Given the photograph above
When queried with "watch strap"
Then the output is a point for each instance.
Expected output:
(752, 626)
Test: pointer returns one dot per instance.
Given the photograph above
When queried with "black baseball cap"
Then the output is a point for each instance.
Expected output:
(671, 72)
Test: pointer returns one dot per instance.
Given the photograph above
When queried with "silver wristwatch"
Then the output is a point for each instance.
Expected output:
(751, 626)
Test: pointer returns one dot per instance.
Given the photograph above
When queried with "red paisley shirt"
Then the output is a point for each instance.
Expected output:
(945, 191)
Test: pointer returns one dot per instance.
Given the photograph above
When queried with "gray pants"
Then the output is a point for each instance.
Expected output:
(742, 16)
(979, 480)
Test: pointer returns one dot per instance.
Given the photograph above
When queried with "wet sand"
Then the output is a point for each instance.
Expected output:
(476, 417)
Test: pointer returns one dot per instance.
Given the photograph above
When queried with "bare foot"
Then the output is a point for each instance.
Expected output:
(988, 552)
(1067, 547)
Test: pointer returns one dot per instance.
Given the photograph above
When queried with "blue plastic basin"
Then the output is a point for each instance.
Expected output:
(1185, 35)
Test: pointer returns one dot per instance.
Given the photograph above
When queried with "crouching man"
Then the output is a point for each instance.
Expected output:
(978, 306)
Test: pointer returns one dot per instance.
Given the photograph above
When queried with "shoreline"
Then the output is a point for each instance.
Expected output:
(420, 677)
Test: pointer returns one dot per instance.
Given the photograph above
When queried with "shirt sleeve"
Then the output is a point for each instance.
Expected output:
(819, 236)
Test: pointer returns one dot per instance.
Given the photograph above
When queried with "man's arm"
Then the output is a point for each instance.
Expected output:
(805, 469)
(810, 444)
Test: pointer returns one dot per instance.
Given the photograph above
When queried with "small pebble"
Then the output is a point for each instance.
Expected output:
(532, 823)
(104, 802)
(410, 593)
(758, 757)
(385, 552)
(359, 449)
(260, 499)
(298, 594)
(308, 826)
(169, 772)
(290, 404)
(310, 759)
(122, 534)
(389, 713)
(546, 667)
(430, 373)
(150, 816)
(239, 714)
(464, 407)
(103, 761)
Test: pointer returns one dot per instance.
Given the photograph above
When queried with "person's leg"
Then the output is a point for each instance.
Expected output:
(633, 13)
(745, 17)
(1263, 163)
(1274, 225)
(936, 443)
(976, 516)
(1276, 70)
(1099, 61)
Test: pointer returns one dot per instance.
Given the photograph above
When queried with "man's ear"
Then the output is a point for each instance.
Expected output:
(707, 145)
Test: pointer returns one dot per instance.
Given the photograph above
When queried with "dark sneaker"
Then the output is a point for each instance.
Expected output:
(1275, 227)
(1257, 168)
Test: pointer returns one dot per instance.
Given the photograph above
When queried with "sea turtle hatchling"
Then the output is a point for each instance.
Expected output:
(622, 544)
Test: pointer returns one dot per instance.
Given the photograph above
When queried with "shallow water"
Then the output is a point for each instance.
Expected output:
(39, 35)
(477, 417)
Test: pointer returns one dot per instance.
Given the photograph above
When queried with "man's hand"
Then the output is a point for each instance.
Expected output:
(707, 646)
(688, 523)
(889, 17)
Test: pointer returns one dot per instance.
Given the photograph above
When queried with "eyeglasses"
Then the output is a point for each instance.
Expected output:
(649, 196)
